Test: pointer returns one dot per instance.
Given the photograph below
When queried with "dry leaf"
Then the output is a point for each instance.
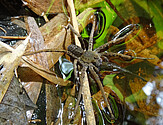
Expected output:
(53, 27)
(44, 6)
(15, 103)
(149, 109)
(25, 73)
(40, 63)
(47, 74)
(99, 98)
(56, 37)
(10, 62)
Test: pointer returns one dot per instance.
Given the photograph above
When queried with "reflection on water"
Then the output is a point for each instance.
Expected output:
(148, 88)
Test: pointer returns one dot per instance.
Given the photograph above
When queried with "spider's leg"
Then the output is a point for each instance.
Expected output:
(90, 46)
(96, 69)
(114, 66)
(102, 90)
(76, 33)
(44, 50)
(76, 72)
(81, 89)
(72, 55)
(51, 50)
(124, 30)
(118, 38)
(117, 55)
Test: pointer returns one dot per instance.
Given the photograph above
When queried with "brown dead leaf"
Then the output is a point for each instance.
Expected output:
(53, 27)
(40, 61)
(56, 37)
(99, 98)
(34, 77)
(53, 38)
(15, 104)
(148, 109)
(47, 74)
(141, 44)
(10, 62)
(44, 6)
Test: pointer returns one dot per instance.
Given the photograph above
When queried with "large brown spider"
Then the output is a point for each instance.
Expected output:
(93, 60)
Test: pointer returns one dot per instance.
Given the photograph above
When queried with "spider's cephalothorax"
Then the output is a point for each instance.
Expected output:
(91, 57)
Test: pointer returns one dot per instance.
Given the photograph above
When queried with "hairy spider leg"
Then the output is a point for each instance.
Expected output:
(114, 41)
(76, 33)
(109, 65)
(96, 77)
(90, 46)
(125, 30)
(83, 70)
(44, 50)
(117, 55)
(76, 71)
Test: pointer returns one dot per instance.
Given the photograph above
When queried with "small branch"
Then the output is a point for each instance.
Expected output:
(117, 12)
(14, 37)
(44, 50)
(3, 30)
(74, 20)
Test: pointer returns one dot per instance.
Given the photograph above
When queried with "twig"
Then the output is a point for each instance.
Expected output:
(74, 20)
(90, 118)
(3, 30)
(14, 37)
(117, 12)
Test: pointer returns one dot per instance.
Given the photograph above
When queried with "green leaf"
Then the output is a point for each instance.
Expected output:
(155, 10)
(108, 81)
(69, 75)
(108, 16)
(140, 95)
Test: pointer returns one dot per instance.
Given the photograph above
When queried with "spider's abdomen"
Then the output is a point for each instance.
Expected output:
(91, 57)
(76, 50)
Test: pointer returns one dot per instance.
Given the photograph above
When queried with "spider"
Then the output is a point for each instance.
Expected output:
(94, 60)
